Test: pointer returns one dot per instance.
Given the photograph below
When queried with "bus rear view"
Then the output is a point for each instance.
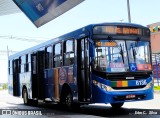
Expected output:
(121, 65)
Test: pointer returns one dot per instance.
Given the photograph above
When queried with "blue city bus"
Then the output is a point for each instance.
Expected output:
(99, 63)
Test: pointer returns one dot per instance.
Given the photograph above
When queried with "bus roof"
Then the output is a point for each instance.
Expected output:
(121, 24)
(73, 34)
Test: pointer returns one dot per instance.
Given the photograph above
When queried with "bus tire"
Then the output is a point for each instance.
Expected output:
(25, 97)
(76, 106)
(68, 100)
(117, 105)
(34, 102)
(70, 104)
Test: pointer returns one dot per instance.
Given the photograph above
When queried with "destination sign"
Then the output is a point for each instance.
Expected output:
(127, 30)
(106, 44)
(121, 30)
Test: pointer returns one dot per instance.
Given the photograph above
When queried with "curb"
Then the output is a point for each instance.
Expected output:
(156, 91)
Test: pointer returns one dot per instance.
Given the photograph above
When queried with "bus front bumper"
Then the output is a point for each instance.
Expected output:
(101, 96)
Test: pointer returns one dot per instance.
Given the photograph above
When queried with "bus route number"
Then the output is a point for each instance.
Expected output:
(141, 82)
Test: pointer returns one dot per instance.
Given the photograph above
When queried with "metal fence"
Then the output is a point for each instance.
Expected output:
(156, 68)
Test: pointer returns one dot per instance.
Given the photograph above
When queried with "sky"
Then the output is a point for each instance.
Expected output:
(17, 25)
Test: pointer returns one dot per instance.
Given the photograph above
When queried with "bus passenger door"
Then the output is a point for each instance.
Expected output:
(34, 76)
(16, 82)
(38, 75)
(83, 70)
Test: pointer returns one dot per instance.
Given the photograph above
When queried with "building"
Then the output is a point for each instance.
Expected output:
(155, 46)
(155, 37)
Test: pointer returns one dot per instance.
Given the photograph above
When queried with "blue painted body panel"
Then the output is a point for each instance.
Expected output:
(25, 80)
(101, 96)
(107, 82)
(63, 76)
(49, 84)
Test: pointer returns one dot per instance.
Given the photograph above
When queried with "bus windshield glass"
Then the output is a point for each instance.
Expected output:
(139, 55)
(121, 56)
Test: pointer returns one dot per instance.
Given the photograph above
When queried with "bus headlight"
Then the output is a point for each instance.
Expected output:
(95, 82)
(150, 84)
(102, 86)
(109, 88)
(105, 87)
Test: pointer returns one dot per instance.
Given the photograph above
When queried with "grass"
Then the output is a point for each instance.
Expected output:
(156, 87)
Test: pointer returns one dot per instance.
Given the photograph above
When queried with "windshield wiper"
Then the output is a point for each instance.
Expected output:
(121, 52)
(134, 53)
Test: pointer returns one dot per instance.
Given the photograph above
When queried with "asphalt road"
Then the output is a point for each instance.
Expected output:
(142, 109)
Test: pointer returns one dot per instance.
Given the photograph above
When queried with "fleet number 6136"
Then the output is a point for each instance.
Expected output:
(141, 82)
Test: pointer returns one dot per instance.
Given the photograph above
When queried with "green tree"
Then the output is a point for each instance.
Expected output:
(5, 86)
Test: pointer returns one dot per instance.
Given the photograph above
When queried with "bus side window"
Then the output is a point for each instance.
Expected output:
(10, 71)
(27, 64)
(20, 64)
(48, 57)
(69, 52)
(34, 61)
(82, 53)
(71, 58)
(23, 62)
(57, 55)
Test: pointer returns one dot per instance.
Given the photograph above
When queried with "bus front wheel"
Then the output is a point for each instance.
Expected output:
(117, 105)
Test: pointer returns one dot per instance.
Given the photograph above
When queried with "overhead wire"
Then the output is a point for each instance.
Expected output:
(20, 38)
(29, 39)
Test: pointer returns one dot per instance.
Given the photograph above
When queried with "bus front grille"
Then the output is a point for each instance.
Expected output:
(124, 77)
(130, 87)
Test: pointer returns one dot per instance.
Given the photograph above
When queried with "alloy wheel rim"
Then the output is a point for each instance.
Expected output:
(25, 97)
(68, 100)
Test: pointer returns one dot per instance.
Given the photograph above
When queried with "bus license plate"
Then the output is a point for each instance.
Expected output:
(130, 96)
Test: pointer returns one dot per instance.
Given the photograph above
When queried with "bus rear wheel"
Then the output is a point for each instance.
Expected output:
(117, 105)
(28, 101)
(25, 97)
(70, 104)
(68, 100)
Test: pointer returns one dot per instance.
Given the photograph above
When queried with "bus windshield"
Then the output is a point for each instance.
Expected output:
(138, 52)
(121, 56)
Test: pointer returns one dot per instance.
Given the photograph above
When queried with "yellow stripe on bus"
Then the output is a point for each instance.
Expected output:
(124, 83)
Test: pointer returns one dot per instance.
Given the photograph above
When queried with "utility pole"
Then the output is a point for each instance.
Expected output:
(129, 15)
(7, 52)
